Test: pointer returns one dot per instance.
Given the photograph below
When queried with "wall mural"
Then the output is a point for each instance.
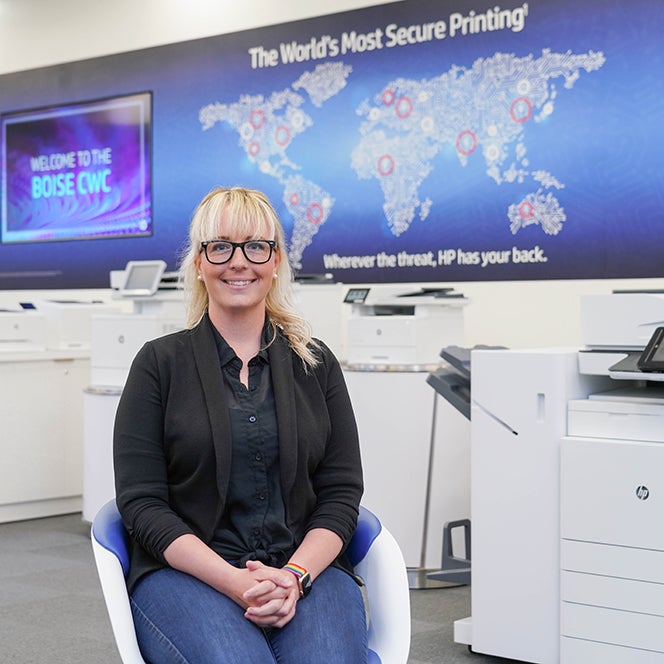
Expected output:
(418, 141)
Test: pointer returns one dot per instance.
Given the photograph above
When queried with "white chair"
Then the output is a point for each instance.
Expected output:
(373, 551)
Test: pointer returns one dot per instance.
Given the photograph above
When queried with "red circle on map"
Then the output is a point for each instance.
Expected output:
(254, 148)
(282, 135)
(315, 213)
(404, 107)
(388, 97)
(466, 142)
(257, 118)
(526, 210)
(385, 164)
(521, 110)
(295, 199)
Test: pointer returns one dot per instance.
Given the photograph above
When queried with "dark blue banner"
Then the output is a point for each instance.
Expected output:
(416, 141)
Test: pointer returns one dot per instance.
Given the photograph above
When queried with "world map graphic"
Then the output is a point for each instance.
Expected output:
(484, 110)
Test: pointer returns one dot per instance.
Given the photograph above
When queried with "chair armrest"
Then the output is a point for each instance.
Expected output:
(109, 531)
(383, 569)
(368, 528)
(109, 545)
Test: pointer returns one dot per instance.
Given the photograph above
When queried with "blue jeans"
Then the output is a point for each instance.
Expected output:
(181, 620)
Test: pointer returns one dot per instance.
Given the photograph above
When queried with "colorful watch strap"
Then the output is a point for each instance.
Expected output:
(295, 569)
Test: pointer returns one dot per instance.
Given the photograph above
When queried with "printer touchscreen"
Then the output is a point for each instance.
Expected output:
(652, 358)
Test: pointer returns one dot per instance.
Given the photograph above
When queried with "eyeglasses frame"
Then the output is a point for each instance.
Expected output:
(271, 243)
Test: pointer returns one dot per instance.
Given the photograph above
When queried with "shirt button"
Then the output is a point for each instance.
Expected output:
(257, 531)
(261, 496)
(252, 418)
(258, 456)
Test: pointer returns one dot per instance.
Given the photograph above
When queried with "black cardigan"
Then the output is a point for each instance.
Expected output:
(172, 444)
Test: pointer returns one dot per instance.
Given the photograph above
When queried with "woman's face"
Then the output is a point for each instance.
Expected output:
(237, 286)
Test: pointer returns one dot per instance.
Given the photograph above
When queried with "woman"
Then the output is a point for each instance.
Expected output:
(237, 464)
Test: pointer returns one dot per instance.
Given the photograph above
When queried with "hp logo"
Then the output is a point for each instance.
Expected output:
(642, 492)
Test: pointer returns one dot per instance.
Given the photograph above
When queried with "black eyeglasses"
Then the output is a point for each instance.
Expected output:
(255, 251)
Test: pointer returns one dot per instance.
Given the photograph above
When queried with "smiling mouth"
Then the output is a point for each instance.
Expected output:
(238, 282)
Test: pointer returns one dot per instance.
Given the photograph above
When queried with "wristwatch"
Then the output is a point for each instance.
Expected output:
(303, 578)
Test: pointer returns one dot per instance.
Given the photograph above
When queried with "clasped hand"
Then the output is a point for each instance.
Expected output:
(271, 595)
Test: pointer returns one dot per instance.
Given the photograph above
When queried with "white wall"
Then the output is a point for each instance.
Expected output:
(36, 33)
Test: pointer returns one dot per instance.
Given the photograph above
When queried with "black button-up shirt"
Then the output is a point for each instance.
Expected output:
(253, 526)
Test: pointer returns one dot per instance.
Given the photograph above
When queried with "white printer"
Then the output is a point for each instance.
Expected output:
(617, 324)
(50, 325)
(22, 330)
(402, 326)
(156, 308)
(616, 330)
(153, 306)
(69, 322)
(612, 488)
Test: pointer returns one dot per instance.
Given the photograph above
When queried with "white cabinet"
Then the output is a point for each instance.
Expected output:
(394, 412)
(100, 405)
(41, 411)
(612, 551)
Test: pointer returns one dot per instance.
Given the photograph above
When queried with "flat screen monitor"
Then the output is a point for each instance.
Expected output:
(77, 171)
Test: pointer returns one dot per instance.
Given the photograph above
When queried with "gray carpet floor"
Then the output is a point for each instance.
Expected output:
(52, 610)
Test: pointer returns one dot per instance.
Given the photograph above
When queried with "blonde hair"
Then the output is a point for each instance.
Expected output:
(250, 215)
